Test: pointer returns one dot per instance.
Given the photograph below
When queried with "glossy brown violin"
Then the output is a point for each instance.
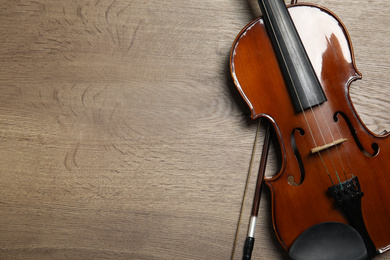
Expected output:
(330, 199)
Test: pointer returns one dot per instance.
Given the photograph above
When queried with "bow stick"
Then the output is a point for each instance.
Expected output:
(250, 240)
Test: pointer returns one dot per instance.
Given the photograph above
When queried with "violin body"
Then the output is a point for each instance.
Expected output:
(300, 190)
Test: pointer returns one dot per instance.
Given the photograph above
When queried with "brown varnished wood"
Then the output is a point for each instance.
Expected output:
(257, 76)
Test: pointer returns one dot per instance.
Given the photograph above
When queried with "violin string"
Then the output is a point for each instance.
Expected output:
(333, 139)
(321, 133)
(296, 93)
(323, 138)
(330, 132)
(246, 188)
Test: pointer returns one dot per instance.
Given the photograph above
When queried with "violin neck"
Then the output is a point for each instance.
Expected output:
(300, 77)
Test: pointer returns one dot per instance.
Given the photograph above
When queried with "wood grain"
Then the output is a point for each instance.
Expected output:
(122, 135)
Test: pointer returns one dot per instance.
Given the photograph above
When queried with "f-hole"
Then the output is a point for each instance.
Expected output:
(294, 146)
(374, 146)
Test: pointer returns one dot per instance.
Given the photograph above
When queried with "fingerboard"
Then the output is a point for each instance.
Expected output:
(301, 80)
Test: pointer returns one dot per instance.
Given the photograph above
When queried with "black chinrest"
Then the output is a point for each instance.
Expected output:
(329, 241)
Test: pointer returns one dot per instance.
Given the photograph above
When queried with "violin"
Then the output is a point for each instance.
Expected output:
(330, 200)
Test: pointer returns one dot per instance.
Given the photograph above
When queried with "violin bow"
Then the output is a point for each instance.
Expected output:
(249, 242)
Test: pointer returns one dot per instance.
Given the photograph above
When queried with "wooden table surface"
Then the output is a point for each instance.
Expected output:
(122, 136)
